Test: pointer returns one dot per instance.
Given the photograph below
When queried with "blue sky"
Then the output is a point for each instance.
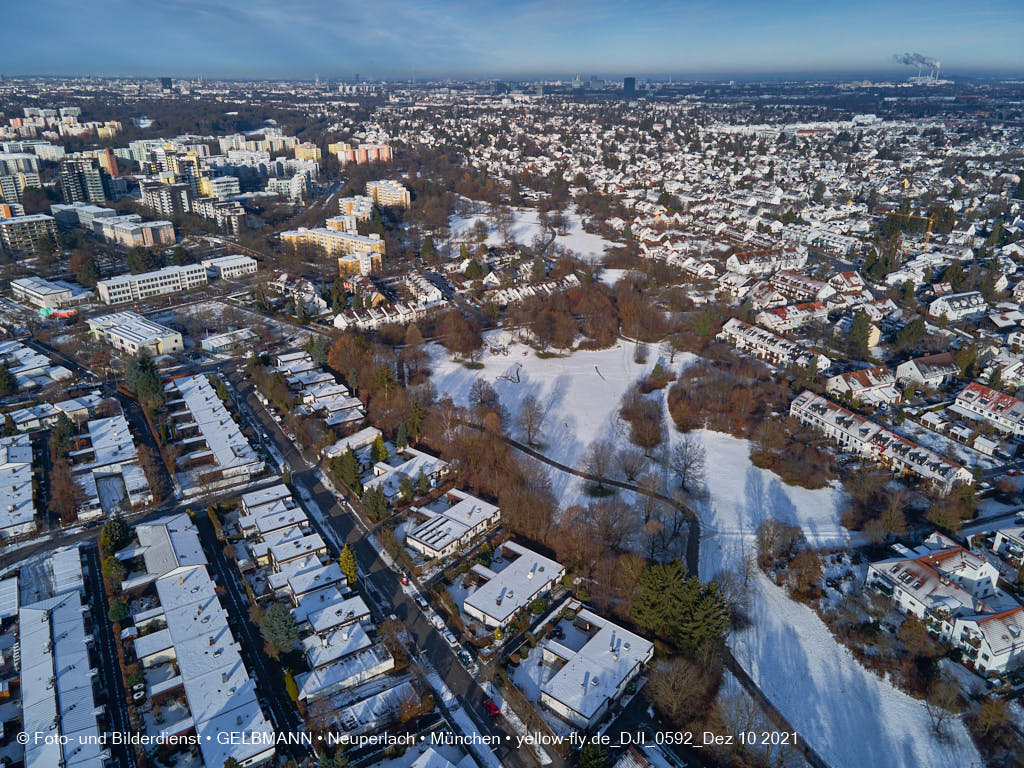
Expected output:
(556, 38)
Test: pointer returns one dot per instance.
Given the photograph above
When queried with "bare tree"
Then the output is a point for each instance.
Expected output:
(678, 688)
(942, 701)
(631, 462)
(530, 417)
(688, 461)
(598, 460)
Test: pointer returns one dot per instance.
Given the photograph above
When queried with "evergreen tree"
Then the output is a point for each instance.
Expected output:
(422, 484)
(378, 451)
(473, 270)
(8, 384)
(346, 469)
(347, 563)
(427, 251)
(402, 439)
(88, 274)
(277, 627)
(679, 609)
(593, 756)
(857, 339)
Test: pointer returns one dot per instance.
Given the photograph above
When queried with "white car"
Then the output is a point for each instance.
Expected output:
(450, 638)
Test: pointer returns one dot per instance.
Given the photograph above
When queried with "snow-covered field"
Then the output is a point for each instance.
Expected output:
(527, 226)
(580, 396)
(848, 714)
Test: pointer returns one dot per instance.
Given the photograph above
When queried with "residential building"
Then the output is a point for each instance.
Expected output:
(230, 267)
(955, 592)
(782, 319)
(81, 180)
(307, 150)
(388, 193)
(80, 214)
(189, 632)
(168, 200)
(333, 242)
(216, 451)
(767, 262)
(770, 347)
(229, 214)
(131, 334)
(58, 682)
(958, 306)
(981, 403)
(363, 153)
(105, 467)
(220, 187)
(24, 236)
(126, 288)
(408, 465)
(506, 592)
(595, 661)
(933, 371)
(856, 434)
(131, 231)
(360, 263)
(17, 516)
(797, 287)
(869, 386)
(450, 524)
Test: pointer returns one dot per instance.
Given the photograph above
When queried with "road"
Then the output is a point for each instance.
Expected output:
(110, 670)
(381, 585)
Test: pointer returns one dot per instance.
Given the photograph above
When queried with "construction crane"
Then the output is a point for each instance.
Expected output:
(930, 219)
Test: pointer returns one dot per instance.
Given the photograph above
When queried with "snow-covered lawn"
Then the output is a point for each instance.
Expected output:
(741, 496)
(527, 226)
(849, 715)
(579, 394)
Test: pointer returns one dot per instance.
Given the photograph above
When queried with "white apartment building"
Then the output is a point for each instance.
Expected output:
(130, 333)
(798, 287)
(504, 593)
(230, 267)
(928, 371)
(955, 592)
(958, 306)
(978, 402)
(596, 660)
(769, 347)
(782, 319)
(126, 288)
(767, 262)
(852, 432)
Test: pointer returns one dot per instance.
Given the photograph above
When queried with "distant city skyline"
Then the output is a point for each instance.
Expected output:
(459, 38)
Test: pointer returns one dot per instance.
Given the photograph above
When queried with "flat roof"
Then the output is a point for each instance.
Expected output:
(16, 481)
(131, 327)
(591, 675)
(223, 437)
(515, 585)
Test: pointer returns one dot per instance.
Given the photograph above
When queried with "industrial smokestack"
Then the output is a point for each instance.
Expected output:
(920, 61)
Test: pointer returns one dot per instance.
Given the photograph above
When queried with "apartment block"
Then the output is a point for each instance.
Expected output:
(388, 193)
(24, 236)
(127, 288)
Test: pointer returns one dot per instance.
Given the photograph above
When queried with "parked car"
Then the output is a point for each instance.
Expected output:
(450, 638)
(492, 709)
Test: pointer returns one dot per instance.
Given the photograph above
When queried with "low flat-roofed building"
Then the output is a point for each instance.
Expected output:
(17, 515)
(506, 592)
(214, 445)
(58, 681)
(131, 334)
(220, 694)
(47, 294)
(228, 267)
(105, 466)
(451, 523)
(230, 340)
(598, 660)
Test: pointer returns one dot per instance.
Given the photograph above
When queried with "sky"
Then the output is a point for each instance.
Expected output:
(511, 38)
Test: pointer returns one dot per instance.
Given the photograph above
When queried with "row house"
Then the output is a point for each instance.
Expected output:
(798, 287)
(782, 319)
(770, 347)
(981, 403)
(857, 434)
(931, 371)
(870, 386)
